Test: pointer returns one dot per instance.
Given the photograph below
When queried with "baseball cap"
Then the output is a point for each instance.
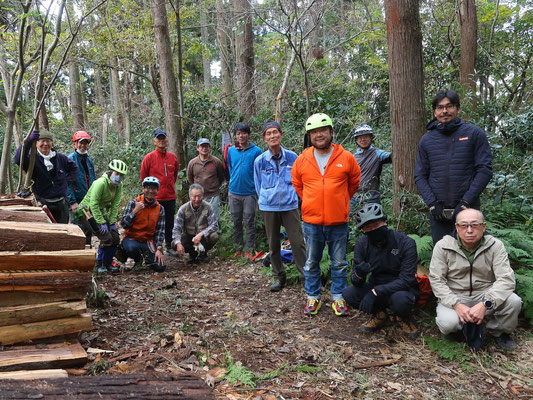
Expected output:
(202, 141)
(159, 132)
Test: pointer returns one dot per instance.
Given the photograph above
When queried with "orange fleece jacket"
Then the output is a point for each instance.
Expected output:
(326, 199)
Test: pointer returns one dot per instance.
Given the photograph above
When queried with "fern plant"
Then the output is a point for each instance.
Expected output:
(424, 246)
(524, 288)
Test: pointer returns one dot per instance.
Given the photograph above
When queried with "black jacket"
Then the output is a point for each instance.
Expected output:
(393, 267)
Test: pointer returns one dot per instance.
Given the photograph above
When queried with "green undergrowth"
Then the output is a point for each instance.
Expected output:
(450, 350)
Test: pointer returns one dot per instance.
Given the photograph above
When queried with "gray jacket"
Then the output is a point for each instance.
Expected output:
(451, 274)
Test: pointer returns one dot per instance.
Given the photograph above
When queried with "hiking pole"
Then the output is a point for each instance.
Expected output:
(403, 204)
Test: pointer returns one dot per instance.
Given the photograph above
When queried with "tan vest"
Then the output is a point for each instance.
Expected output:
(195, 221)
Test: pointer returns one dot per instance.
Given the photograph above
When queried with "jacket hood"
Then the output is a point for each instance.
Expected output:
(444, 127)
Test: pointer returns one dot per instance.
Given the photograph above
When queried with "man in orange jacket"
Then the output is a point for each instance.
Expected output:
(325, 176)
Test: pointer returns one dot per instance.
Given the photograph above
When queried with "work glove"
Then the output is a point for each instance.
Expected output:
(367, 304)
(359, 271)
(34, 135)
(437, 211)
(113, 227)
(103, 229)
(463, 205)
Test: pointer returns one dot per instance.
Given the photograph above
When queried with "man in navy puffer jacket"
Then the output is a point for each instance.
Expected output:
(453, 165)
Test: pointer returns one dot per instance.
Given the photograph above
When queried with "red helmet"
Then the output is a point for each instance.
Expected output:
(79, 135)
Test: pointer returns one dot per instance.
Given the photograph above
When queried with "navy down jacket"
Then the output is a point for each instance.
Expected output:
(453, 163)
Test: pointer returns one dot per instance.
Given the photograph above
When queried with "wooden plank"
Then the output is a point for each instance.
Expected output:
(21, 297)
(82, 260)
(23, 216)
(154, 386)
(20, 333)
(40, 312)
(18, 201)
(44, 279)
(27, 236)
(32, 375)
(53, 355)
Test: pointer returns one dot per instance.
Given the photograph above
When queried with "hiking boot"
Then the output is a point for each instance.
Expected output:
(312, 306)
(407, 326)
(238, 253)
(339, 306)
(506, 342)
(374, 322)
(99, 267)
(121, 255)
(276, 286)
(203, 257)
(193, 259)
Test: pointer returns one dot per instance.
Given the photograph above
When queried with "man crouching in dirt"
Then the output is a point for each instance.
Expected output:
(195, 227)
(471, 277)
(391, 259)
(144, 229)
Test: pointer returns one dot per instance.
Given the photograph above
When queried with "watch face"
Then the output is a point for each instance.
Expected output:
(488, 303)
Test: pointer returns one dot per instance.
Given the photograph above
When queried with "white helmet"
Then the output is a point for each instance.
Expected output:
(363, 130)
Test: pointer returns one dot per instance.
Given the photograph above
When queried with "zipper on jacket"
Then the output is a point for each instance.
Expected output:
(165, 164)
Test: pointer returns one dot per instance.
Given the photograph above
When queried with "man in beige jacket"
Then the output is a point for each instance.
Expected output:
(471, 277)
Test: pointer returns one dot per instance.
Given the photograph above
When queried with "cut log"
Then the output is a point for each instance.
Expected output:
(44, 279)
(16, 201)
(20, 333)
(32, 375)
(40, 312)
(53, 355)
(158, 386)
(82, 260)
(27, 236)
(24, 216)
(21, 297)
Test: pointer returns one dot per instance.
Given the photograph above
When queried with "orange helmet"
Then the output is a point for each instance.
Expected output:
(79, 135)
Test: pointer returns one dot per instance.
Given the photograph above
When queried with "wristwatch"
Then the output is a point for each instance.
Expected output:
(488, 304)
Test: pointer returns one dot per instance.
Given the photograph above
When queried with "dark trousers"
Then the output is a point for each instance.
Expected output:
(207, 242)
(170, 210)
(440, 229)
(137, 250)
(400, 303)
(59, 210)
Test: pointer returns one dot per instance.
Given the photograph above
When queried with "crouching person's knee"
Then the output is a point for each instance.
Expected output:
(447, 320)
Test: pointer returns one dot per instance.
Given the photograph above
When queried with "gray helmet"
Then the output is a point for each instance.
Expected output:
(368, 213)
(363, 130)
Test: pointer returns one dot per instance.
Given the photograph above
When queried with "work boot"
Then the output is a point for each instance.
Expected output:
(99, 267)
(506, 342)
(193, 258)
(407, 326)
(120, 254)
(278, 284)
(374, 322)
(203, 257)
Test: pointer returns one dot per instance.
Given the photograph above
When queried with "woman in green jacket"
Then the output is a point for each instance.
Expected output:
(101, 203)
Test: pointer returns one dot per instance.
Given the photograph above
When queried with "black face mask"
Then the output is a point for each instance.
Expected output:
(378, 235)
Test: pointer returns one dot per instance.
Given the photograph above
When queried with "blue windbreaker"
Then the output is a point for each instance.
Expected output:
(76, 191)
(241, 169)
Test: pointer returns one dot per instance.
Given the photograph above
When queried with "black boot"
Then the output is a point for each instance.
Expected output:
(203, 257)
(278, 284)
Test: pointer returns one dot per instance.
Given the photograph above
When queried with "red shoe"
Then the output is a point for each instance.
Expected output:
(237, 253)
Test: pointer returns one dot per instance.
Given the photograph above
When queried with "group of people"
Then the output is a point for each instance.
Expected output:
(470, 272)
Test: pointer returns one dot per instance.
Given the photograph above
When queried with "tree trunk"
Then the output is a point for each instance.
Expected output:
(76, 100)
(127, 108)
(43, 117)
(206, 58)
(100, 103)
(225, 58)
(118, 123)
(406, 86)
(6, 149)
(244, 49)
(168, 81)
(468, 23)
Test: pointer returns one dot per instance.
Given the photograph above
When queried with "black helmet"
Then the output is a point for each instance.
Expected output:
(368, 213)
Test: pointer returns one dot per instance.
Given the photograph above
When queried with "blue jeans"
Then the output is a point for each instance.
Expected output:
(136, 250)
(316, 237)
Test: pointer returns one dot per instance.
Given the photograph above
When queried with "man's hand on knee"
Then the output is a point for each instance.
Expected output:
(477, 313)
(463, 312)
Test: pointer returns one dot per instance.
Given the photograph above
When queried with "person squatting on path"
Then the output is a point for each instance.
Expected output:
(84, 178)
(164, 166)
(325, 176)
(371, 162)
(278, 202)
(390, 258)
(208, 171)
(144, 229)
(453, 165)
(241, 190)
(51, 175)
(102, 201)
(195, 228)
(474, 283)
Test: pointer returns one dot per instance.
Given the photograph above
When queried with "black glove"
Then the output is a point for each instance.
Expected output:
(363, 268)
(436, 211)
(367, 304)
(358, 277)
(463, 205)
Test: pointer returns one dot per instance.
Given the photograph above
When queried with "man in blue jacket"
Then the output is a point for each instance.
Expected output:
(453, 166)
(278, 201)
(242, 195)
(85, 177)
(390, 257)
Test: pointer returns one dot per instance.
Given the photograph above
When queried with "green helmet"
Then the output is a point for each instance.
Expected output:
(119, 166)
(318, 121)
(368, 213)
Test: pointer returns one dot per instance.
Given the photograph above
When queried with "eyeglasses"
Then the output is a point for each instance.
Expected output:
(473, 225)
(448, 107)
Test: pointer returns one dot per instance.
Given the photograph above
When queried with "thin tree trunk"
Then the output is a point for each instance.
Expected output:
(225, 63)
(43, 117)
(168, 81)
(118, 106)
(127, 108)
(78, 122)
(406, 87)
(244, 49)
(100, 103)
(283, 87)
(468, 24)
(206, 59)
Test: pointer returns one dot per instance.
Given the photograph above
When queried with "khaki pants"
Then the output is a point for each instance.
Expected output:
(499, 320)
